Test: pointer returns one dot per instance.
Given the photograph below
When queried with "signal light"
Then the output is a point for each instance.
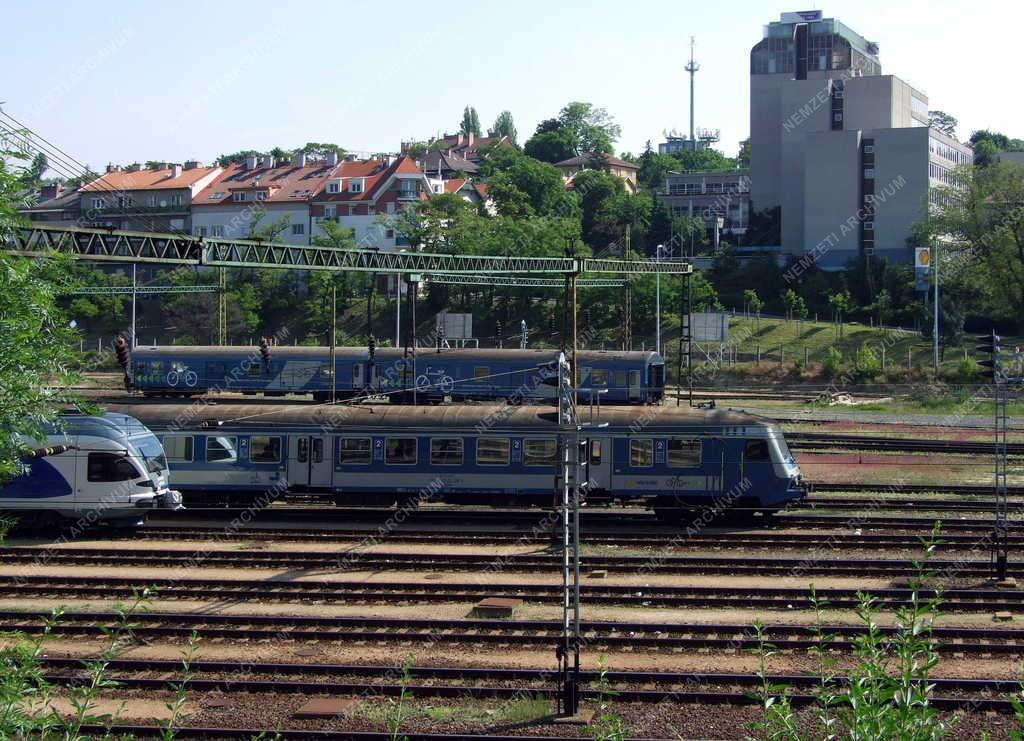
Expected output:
(372, 346)
(551, 325)
(989, 345)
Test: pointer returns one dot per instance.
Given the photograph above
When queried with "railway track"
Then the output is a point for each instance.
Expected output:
(490, 563)
(708, 638)
(479, 682)
(712, 538)
(919, 505)
(405, 592)
(810, 441)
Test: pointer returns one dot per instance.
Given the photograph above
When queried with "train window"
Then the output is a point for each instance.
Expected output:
(492, 451)
(111, 467)
(355, 451)
(254, 368)
(318, 450)
(641, 453)
(481, 372)
(683, 453)
(221, 449)
(264, 449)
(216, 370)
(302, 452)
(540, 452)
(634, 378)
(620, 379)
(446, 452)
(756, 450)
(598, 377)
(595, 452)
(401, 451)
(179, 448)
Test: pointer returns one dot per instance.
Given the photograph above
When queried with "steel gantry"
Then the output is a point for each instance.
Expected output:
(518, 281)
(141, 290)
(102, 245)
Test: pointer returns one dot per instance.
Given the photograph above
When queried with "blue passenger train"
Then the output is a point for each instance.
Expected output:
(669, 458)
(636, 377)
(91, 469)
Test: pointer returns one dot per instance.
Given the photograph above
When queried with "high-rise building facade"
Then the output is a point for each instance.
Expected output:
(842, 150)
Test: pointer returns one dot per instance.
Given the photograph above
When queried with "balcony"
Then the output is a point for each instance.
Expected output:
(408, 195)
(113, 209)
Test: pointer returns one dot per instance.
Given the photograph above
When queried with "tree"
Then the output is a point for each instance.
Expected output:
(32, 175)
(593, 129)
(753, 303)
(522, 186)
(840, 304)
(551, 146)
(504, 126)
(37, 347)
(237, 158)
(942, 121)
(470, 122)
(703, 160)
(743, 158)
(882, 306)
(790, 299)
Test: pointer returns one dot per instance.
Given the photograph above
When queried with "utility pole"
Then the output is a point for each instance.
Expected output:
(334, 343)
(222, 308)
(692, 68)
(135, 286)
(935, 326)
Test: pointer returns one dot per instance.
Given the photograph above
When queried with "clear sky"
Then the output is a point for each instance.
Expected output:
(126, 81)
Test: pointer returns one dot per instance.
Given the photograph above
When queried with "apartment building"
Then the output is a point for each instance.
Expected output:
(154, 199)
(845, 152)
(625, 171)
(710, 196)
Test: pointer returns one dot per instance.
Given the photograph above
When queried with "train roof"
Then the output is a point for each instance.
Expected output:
(244, 351)
(368, 416)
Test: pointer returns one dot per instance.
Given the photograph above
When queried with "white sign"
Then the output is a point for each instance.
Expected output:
(456, 326)
(712, 326)
(801, 16)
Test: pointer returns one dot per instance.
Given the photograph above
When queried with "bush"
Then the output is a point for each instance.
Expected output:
(866, 363)
(832, 364)
(966, 371)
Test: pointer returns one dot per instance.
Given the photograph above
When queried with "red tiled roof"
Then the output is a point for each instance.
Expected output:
(284, 184)
(375, 178)
(148, 179)
(454, 185)
(591, 160)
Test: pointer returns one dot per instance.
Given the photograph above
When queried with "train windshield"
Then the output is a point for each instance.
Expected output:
(152, 453)
(781, 448)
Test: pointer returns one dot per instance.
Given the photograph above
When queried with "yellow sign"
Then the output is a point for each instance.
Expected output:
(922, 257)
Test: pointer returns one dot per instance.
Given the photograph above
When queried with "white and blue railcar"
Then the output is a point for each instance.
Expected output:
(635, 377)
(669, 458)
(110, 469)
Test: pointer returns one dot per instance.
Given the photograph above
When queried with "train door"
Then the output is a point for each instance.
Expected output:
(309, 461)
(636, 391)
(357, 376)
(599, 464)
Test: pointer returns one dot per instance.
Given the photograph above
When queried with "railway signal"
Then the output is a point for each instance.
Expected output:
(989, 345)
(123, 359)
(497, 331)
(265, 354)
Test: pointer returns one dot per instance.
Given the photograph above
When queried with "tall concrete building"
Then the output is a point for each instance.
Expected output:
(844, 151)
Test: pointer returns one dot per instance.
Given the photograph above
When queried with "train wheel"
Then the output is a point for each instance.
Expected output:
(671, 515)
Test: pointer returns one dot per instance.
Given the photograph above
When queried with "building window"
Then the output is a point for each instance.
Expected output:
(389, 233)
(97, 203)
(261, 195)
(151, 201)
(217, 230)
(333, 187)
(238, 197)
(352, 210)
(298, 229)
(176, 200)
(390, 208)
(869, 149)
(869, 173)
(200, 231)
(869, 226)
(330, 211)
(356, 186)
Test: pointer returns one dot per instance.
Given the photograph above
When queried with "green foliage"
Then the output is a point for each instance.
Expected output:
(551, 146)
(176, 705)
(743, 158)
(505, 126)
(942, 121)
(832, 363)
(608, 726)
(866, 363)
(593, 129)
(888, 692)
(521, 186)
(470, 122)
(397, 712)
